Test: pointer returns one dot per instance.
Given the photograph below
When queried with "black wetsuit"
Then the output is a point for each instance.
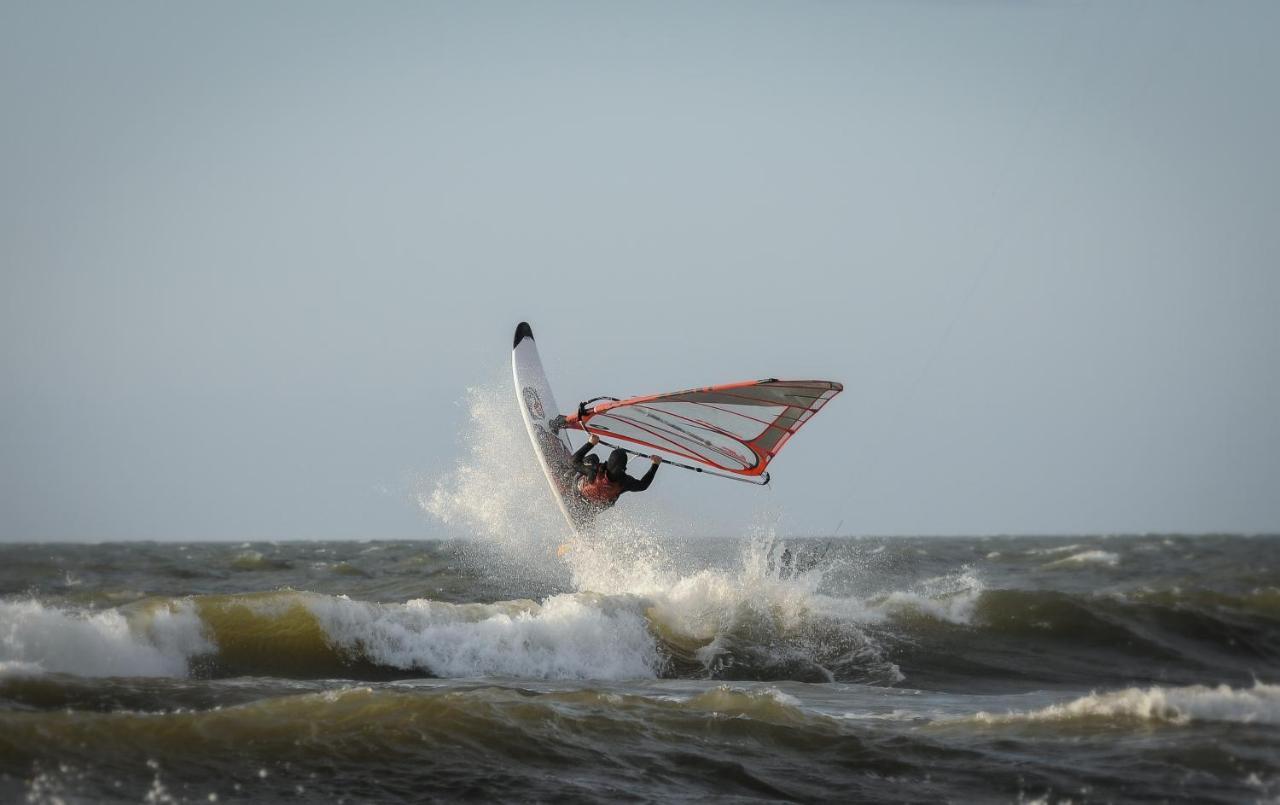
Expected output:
(629, 484)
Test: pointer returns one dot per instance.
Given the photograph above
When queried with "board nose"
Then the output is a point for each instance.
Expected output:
(523, 331)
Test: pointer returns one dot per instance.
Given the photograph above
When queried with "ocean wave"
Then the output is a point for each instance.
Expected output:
(12, 668)
(769, 705)
(1028, 638)
(1090, 557)
(1053, 550)
(1259, 704)
(754, 620)
(404, 741)
(640, 614)
(137, 641)
(699, 628)
(741, 624)
(258, 561)
(525, 739)
(952, 598)
(1261, 601)
(564, 637)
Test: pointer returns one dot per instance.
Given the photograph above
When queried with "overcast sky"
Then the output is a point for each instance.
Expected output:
(253, 254)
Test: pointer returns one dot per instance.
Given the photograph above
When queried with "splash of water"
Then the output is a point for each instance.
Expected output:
(498, 495)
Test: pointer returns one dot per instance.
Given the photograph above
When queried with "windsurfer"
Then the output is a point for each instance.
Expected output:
(599, 485)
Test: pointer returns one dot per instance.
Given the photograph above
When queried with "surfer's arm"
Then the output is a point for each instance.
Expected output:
(581, 453)
(639, 486)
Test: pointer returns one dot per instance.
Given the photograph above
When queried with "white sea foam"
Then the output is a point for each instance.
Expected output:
(19, 668)
(574, 636)
(1054, 550)
(782, 698)
(951, 598)
(632, 594)
(704, 604)
(152, 642)
(1094, 557)
(1176, 705)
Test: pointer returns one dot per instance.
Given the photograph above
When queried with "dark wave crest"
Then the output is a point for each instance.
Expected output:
(1051, 637)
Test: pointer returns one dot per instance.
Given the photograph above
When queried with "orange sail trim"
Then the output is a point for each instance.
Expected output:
(735, 427)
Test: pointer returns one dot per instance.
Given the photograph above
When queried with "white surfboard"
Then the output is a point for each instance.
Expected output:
(538, 407)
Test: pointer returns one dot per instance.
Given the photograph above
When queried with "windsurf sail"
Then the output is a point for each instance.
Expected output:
(736, 428)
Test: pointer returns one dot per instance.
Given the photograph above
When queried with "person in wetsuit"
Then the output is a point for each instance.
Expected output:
(600, 485)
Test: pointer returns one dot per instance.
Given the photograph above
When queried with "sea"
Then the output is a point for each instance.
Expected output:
(992, 669)
(501, 659)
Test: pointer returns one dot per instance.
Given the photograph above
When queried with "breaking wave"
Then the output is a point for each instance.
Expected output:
(1092, 557)
(1259, 704)
(701, 630)
(745, 622)
(114, 642)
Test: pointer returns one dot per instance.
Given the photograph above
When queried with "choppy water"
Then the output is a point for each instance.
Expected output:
(996, 669)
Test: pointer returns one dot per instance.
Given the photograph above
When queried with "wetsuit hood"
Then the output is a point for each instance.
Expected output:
(616, 466)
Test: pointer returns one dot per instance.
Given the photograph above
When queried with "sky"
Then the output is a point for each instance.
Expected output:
(252, 255)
